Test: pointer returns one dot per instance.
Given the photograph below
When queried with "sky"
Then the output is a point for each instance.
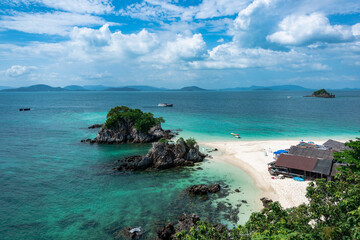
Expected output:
(175, 43)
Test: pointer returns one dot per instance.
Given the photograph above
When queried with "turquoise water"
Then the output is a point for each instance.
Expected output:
(54, 187)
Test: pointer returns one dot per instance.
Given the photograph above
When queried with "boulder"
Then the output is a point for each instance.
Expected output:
(214, 188)
(266, 202)
(167, 232)
(162, 155)
(186, 222)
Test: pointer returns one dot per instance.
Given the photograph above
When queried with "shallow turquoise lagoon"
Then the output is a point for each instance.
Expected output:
(54, 187)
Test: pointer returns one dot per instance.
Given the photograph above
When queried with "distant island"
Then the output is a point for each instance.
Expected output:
(36, 88)
(122, 89)
(322, 93)
(144, 88)
(192, 89)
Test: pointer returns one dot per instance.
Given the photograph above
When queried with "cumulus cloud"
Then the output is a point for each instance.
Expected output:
(54, 23)
(17, 70)
(183, 48)
(307, 29)
(87, 43)
(242, 21)
(230, 55)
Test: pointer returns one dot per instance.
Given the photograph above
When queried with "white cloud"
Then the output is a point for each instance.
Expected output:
(356, 29)
(80, 6)
(242, 21)
(75, 6)
(17, 70)
(156, 10)
(183, 48)
(307, 29)
(55, 23)
(231, 56)
(218, 8)
(88, 44)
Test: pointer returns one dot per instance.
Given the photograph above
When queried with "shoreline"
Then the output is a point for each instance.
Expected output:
(250, 157)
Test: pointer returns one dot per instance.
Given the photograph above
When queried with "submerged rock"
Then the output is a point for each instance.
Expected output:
(202, 189)
(162, 155)
(96, 125)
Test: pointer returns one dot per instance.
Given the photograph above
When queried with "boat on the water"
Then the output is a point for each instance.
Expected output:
(235, 135)
(24, 109)
(165, 105)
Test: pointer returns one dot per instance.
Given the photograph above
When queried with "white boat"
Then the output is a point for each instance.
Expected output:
(164, 105)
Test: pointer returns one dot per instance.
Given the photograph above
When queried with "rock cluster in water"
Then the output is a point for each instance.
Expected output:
(163, 155)
(127, 133)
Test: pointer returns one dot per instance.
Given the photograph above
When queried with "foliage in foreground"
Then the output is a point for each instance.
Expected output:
(142, 121)
(333, 211)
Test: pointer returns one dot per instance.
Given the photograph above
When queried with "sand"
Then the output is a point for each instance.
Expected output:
(253, 157)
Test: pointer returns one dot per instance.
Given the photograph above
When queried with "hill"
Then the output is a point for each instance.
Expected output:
(75, 88)
(276, 88)
(192, 89)
(146, 88)
(122, 89)
(36, 88)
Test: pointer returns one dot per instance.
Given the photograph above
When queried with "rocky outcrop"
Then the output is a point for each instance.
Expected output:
(202, 189)
(266, 202)
(163, 155)
(185, 223)
(125, 132)
(322, 93)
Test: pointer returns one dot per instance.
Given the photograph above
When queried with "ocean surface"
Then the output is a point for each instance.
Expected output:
(54, 187)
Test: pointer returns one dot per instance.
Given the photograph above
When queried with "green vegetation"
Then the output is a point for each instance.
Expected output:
(142, 121)
(190, 142)
(321, 91)
(333, 211)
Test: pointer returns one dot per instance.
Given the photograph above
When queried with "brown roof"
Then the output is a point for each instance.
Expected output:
(296, 162)
(335, 145)
(311, 152)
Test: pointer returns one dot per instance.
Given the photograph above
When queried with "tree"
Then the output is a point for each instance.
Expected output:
(141, 121)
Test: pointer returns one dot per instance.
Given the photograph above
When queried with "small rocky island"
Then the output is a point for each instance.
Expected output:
(164, 155)
(127, 125)
(322, 93)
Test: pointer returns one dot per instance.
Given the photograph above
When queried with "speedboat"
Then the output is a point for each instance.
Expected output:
(164, 105)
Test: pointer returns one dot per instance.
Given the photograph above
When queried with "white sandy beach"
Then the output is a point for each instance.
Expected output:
(250, 156)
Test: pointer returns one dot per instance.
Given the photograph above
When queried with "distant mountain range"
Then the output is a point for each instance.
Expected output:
(135, 88)
(276, 88)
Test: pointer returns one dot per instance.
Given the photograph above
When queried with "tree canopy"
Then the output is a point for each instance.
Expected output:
(142, 121)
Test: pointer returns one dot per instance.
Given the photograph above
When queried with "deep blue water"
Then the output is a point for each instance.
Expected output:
(54, 187)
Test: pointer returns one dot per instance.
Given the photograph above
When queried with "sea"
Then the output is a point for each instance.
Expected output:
(52, 186)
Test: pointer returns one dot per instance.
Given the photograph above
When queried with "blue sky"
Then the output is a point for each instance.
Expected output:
(176, 43)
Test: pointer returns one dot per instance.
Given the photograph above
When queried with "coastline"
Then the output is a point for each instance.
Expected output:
(250, 157)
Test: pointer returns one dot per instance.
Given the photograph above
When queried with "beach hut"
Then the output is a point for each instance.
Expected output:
(335, 146)
(311, 152)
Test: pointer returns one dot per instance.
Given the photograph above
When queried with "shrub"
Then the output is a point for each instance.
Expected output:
(190, 142)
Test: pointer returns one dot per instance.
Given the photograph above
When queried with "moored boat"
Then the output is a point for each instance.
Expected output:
(165, 105)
